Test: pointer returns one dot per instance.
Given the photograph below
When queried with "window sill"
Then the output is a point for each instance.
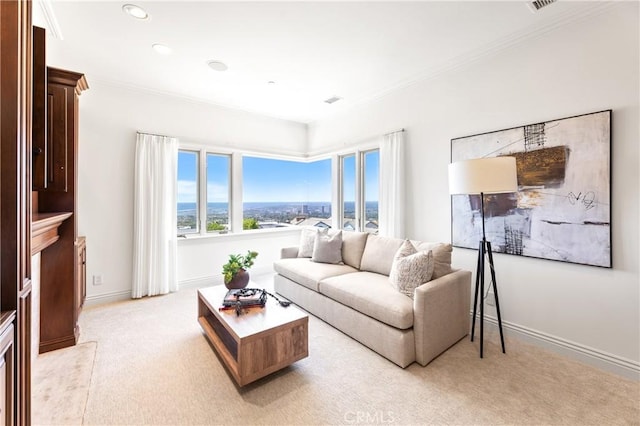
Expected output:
(240, 235)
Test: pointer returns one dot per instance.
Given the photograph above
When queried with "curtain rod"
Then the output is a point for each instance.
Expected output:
(155, 134)
(395, 131)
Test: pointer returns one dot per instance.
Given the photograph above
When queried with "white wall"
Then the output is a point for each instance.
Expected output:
(109, 119)
(200, 259)
(584, 67)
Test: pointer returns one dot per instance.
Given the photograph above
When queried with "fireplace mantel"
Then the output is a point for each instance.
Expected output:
(44, 229)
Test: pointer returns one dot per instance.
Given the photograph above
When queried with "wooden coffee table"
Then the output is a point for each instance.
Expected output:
(256, 343)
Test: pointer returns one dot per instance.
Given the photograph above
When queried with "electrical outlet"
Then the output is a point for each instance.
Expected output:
(491, 299)
(97, 280)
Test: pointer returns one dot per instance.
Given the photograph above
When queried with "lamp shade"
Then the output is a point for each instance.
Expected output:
(483, 175)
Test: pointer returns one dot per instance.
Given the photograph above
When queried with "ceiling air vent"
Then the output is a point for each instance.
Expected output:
(332, 99)
(539, 4)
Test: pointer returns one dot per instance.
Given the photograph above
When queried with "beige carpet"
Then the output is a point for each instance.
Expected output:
(153, 365)
(60, 385)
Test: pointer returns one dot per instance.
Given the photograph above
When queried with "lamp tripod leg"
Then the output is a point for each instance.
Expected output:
(475, 299)
(495, 293)
(481, 272)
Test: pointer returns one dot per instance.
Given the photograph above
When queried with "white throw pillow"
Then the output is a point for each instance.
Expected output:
(410, 268)
(326, 248)
(307, 237)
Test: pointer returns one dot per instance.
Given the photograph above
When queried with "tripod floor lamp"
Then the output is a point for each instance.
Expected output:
(484, 176)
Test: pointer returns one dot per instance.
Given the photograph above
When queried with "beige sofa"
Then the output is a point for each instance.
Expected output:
(357, 298)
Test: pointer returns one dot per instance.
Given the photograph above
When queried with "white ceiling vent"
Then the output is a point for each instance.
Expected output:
(539, 4)
(332, 99)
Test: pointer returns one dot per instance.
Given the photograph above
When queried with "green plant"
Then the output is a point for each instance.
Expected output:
(236, 263)
(250, 223)
(215, 226)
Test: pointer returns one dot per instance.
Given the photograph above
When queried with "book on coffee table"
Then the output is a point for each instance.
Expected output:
(245, 297)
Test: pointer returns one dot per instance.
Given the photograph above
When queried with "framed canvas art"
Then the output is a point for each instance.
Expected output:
(562, 210)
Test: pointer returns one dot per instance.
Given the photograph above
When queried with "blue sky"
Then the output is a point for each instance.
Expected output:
(266, 179)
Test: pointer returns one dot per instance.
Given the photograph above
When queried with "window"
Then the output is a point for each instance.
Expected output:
(359, 190)
(218, 190)
(371, 184)
(275, 193)
(203, 208)
(188, 207)
(348, 164)
(279, 193)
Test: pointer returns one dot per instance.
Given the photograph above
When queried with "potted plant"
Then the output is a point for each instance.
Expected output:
(235, 270)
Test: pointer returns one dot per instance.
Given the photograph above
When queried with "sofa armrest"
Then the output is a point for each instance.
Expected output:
(441, 314)
(288, 252)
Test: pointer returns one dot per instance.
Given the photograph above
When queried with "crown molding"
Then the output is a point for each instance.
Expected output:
(46, 6)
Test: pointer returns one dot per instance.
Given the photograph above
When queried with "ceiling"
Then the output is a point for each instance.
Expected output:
(312, 51)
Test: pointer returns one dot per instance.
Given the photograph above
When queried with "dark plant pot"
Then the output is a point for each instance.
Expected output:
(240, 280)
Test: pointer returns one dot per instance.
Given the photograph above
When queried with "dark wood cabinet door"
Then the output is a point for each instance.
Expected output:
(56, 154)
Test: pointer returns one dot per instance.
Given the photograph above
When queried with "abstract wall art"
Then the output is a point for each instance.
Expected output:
(562, 210)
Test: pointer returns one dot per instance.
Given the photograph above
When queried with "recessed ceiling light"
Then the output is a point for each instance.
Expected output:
(217, 65)
(162, 49)
(332, 99)
(135, 11)
(271, 83)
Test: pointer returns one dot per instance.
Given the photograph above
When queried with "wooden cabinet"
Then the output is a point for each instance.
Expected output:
(81, 276)
(57, 163)
(62, 283)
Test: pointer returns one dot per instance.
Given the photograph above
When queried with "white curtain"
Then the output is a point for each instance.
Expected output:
(392, 189)
(155, 222)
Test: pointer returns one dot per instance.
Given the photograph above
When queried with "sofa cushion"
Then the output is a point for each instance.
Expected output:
(307, 237)
(327, 248)
(441, 257)
(308, 273)
(410, 268)
(353, 243)
(378, 254)
(370, 294)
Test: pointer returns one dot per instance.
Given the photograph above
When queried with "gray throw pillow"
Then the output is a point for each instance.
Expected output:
(326, 248)
(410, 268)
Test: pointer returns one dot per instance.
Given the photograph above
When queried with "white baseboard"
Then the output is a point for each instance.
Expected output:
(101, 299)
(605, 361)
(200, 282)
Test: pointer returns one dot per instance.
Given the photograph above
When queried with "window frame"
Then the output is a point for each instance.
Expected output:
(198, 198)
(363, 187)
(205, 194)
(201, 202)
(360, 190)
